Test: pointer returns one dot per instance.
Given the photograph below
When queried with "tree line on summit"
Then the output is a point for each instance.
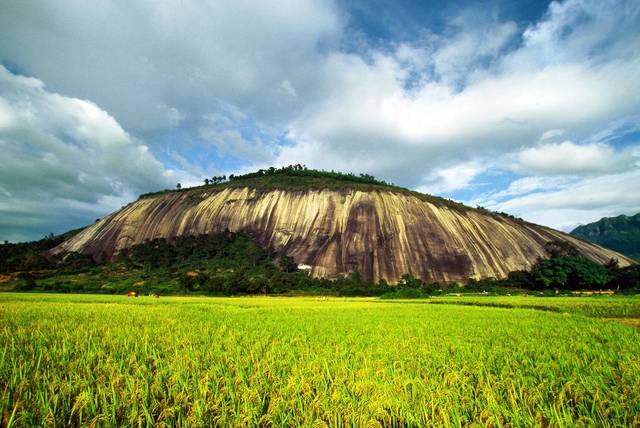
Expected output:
(296, 170)
(281, 178)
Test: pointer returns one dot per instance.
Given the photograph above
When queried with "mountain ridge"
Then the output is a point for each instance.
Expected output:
(620, 233)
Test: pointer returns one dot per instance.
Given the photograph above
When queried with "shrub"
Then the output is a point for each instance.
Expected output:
(287, 264)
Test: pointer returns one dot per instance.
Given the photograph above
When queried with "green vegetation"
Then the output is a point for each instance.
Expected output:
(30, 255)
(282, 178)
(230, 264)
(573, 273)
(565, 270)
(222, 264)
(620, 233)
(601, 306)
(71, 360)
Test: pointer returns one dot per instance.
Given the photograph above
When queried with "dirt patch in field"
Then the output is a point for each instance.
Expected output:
(592, 292)
(499, 305)
(633, 322)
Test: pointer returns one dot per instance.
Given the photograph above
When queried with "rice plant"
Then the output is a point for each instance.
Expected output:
(89, 360)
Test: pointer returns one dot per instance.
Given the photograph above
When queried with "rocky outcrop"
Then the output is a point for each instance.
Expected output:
(380, 233)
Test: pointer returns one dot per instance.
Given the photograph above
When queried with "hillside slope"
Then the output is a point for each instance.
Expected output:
(621, 233)
(381, 233)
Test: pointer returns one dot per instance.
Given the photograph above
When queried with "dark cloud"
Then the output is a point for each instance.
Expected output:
(64, 160)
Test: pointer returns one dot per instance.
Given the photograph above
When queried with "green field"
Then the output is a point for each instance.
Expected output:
(94, 360)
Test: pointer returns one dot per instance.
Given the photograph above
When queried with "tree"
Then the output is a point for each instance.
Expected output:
(409, 281)
(560, 249)
(627, 278)
(612, 265)
(356, 277)
(569, 272)
(29, 282)
(178, 186)
(519, 279)
(287, 264)
(188, 282)
(206, 181)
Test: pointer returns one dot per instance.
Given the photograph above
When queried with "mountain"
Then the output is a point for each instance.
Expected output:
(337, 224)
(621, 233)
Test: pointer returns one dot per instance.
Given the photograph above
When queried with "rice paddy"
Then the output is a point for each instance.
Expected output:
(93, 360)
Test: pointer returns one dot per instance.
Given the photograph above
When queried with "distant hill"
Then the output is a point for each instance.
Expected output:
(621, 233)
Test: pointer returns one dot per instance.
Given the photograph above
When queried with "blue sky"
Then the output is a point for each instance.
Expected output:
(526, 107)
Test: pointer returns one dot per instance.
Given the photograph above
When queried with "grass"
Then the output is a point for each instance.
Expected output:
(597, 306)
(94, 360)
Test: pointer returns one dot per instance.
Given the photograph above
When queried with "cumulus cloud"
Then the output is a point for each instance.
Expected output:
(235, 135)
(150, 63)
(360, 111)
(573, 184)
(570, 158)
(525, 185)
(444, 98)
(576, 30)
(271, 82)
(62, 154)
(445, 180)
(582, 201)
(454, 59)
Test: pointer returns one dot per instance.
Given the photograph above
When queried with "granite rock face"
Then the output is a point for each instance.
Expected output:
(381, 234)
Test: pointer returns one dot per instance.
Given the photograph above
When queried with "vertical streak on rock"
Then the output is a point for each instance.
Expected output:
(382, 234)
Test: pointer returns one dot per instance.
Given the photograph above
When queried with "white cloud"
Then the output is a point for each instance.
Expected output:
(525, 185)
(456, 58)
(583, 201)
(231, 143)
(369, 117)
(444, 180)
(227, 131)
(552, 134)
(144, 62)
(360, 109)
(481, 93)
(473, 91)
(288, 88)
(570, 158)
(574, 30)
(64, 153)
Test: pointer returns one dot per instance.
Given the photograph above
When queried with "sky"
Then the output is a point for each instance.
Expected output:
(531, 108)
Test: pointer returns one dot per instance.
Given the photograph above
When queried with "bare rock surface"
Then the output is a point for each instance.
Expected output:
(379, 233)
